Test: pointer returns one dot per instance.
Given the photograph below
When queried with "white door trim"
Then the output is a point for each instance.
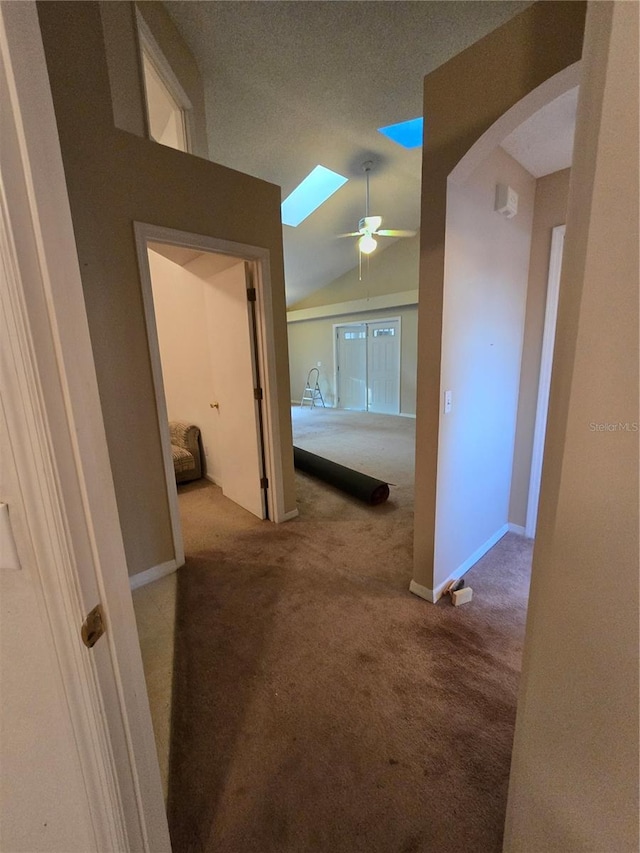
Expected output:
(544, 384)
(67, 524)
(259, 263)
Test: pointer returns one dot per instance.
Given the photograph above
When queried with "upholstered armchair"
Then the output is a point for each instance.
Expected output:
(185, 447)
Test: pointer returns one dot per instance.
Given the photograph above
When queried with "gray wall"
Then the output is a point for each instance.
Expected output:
(574, 775)
(115, 178)
(463, 99)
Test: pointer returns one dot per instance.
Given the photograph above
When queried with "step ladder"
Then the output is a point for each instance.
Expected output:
(312, 392)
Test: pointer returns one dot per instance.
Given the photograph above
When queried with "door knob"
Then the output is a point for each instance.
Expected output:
(215, 406)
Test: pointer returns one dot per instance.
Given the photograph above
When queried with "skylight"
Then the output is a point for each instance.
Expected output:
(405, 133)
(314, 190)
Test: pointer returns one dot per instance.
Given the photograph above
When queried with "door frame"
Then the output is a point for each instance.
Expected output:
(366, 322)
(258, 261)
(544, 383)
(66, 525)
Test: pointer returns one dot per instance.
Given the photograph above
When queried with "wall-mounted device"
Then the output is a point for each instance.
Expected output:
(506, 201)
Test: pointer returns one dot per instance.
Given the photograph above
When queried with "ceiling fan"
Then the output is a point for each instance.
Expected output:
(369, 226)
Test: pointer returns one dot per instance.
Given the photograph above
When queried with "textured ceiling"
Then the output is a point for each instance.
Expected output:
(544, 143)
(289, 85)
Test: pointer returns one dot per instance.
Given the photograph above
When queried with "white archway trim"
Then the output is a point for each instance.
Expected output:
(548, 91)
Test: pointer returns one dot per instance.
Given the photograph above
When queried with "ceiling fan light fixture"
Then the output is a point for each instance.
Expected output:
(373, 223)
(367, 244)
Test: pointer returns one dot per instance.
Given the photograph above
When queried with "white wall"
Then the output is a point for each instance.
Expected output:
(574, 775)
(184, 302)
(486, 271)
(311, 341)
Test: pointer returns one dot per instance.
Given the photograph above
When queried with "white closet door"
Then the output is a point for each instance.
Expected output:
(352, 367)
(383, 350)
(231, 344)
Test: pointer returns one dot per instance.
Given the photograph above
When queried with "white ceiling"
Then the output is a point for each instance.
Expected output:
(289, 85)
(544, 143)
(203, 264)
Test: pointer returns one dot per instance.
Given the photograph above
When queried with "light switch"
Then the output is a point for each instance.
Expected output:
(8, 551)
(447, 402)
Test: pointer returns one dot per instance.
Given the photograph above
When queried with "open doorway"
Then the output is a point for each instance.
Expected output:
(242, 318)
(206, 335)
(544, 385)
(206, 309)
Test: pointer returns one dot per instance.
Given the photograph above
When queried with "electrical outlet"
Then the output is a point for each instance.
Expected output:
(319, 364)
(447, 402)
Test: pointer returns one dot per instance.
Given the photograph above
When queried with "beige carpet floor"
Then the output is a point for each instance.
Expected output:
(317, 704)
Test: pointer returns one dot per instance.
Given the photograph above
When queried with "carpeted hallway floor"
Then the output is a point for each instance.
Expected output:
(317, 704)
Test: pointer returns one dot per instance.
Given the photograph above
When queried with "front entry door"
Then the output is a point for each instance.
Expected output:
(352, 367)
(368, 366)
(383, 367)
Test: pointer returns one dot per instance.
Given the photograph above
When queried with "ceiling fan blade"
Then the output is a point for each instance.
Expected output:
(394, 232)
(351, 234)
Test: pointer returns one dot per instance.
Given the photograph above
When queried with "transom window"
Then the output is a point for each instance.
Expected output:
(167, 103)
(166, 117)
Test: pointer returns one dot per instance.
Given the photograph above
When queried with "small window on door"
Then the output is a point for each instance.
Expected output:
(167, 103)
(380, 333)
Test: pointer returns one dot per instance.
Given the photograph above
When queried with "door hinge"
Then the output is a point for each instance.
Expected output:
(257, 393)
(93, 627)
(264, 483)
(251, 294)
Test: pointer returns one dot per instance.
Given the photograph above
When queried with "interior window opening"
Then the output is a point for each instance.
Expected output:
(167, 124)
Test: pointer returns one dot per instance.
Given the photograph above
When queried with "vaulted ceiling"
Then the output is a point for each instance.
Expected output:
(289, 85)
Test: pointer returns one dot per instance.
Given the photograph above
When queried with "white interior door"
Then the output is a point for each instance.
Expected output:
(232, 348)
(80, 770)
(352, 366)
(544, 386)
(383, 366)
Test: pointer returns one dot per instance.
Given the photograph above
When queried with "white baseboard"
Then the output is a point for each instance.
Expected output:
(517, 528)
(433, 595)
(152, 574)
(287, 516)
(421, 591)
(406, 415)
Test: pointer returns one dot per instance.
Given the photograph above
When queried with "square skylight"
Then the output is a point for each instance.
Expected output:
(405, 133)
(314, 190)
